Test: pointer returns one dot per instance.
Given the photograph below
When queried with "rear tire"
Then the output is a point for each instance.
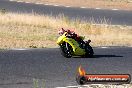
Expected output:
(66, 52)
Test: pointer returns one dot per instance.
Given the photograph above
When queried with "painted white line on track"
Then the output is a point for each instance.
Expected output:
(83, 7)
(72, 86)
(104, 47)
(56, 5)
(19, 49)
(20, 1)
(39, 3)
(27, 2)
(50, 4)
(11, 0)
(115, 9)
(46, 4)
(67, 6)
(97, 8)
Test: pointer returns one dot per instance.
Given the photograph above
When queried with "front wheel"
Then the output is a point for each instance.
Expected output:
(89, 51)
(66, 50)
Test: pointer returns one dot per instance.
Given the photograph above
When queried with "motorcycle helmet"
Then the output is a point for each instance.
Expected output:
(61, 31)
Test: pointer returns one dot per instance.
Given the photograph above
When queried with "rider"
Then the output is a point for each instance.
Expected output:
(69, 33)
(72, 34)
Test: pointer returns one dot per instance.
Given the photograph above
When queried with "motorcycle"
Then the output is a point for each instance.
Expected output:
(69, 46)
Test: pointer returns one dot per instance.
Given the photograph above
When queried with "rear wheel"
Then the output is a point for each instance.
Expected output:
(66, 50)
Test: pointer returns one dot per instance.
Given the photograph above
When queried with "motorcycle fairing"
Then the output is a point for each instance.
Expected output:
(60, 39)
(76, 48)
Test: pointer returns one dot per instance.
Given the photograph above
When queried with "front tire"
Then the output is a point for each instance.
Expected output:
(65, 51)
(89, 51)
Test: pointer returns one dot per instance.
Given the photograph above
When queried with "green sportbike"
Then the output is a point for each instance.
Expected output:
(69, 46)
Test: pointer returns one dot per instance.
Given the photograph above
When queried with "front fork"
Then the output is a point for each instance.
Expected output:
(67, 46)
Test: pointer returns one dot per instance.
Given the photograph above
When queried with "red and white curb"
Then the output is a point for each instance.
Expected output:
(56, 5)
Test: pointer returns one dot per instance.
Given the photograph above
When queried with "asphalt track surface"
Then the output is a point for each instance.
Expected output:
(118, 17)
(19, 68)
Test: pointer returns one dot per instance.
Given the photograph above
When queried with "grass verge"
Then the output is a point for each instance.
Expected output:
(19, 30)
